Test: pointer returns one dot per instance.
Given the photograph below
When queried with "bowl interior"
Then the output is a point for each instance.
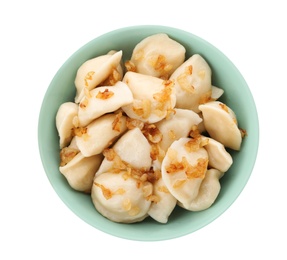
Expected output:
(181, 222)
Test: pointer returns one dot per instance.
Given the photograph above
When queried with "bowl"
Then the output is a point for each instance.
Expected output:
(237, 96)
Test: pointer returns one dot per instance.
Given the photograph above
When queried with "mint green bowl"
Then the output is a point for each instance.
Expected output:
(181, 222)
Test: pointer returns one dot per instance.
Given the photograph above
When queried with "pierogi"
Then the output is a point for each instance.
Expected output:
(103, 100)
(156, 55)
(65, 122)
(221, 124)
(192, 83)
(154, 98)
(148, 137)
(132, 148)
(218, 157)
(183, 169)
(207, 193)
(164, 204)
(100, 134)
(95, 71)
(80, 171)
(121, 199)
(176, 126)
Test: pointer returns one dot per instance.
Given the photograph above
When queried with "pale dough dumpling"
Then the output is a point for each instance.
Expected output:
(99, 134)
(94, 71)
(192, 83)
(176, 126)
(157, 55)
(183, 169)
(216, 92)
(221, 124)
(80, 171)
(218, 157)
(103, 100)
(208, 192)
(161, 209)
(154, 98)
(65, 122)
(200, 126)
(121, 199)
(132, 148)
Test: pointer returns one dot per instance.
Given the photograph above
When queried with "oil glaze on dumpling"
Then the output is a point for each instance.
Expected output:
(94, 71)
(65, 122)
(183, 169)
(121, 198)
(221, 124)
(99, 134)
(154, 98)
(208, 192)
(192, 83)
(102, 100)
(157, 55)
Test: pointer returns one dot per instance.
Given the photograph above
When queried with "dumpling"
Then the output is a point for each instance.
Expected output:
(121, 199)
(102, 100)
(192, 83)
(176, 126)
(165, 203)
(65, 122)
(216, 92)
(157, 55)
(200, 126)
(99, 134)
(132, 148)
(221, 124)
(183, 169)
(73, 144)
(79, 170)
(94, 71)
(208, 192)
(218, 157)
(154, 98)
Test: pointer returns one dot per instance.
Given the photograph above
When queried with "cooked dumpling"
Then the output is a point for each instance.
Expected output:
(121, 199)
(154, 98)
(73, 144)
(80, 170)
(99, 134)
(200, 126)
(132, 148)
(65, 122)
(183, 169)
(218, 157)
(216, 93)
(176, 126)
(208, 192)
(162, 207)
(192, 83)
(102, 100)
(94, 71)
(221, 124)
(157, 55)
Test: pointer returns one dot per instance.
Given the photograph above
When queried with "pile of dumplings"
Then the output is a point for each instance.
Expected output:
(147, 134)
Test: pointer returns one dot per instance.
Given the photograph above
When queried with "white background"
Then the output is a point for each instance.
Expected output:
(36, 39)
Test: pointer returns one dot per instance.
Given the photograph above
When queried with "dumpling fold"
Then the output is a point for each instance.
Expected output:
(94, 71)
(103, 100)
